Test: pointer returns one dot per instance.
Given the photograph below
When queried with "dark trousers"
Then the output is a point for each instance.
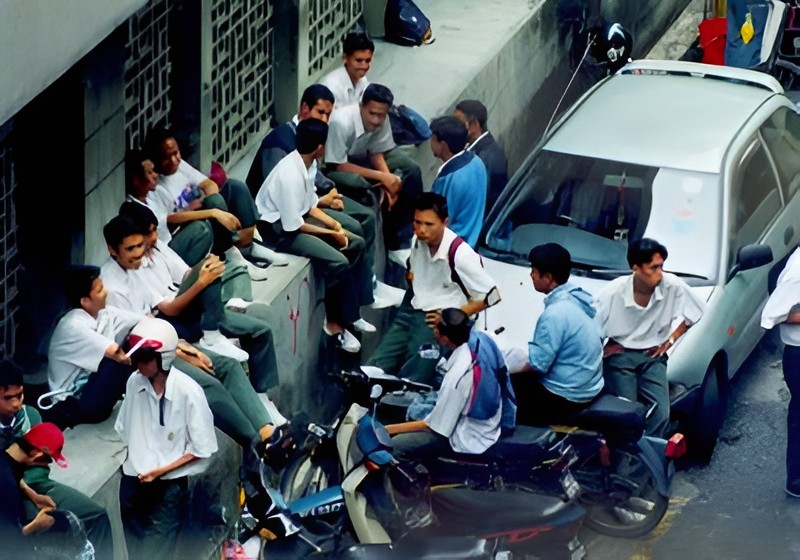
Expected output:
(791, 374)
(153, 514)
(95, 401)
(536, 406)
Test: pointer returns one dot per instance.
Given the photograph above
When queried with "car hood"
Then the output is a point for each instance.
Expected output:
(521, 305)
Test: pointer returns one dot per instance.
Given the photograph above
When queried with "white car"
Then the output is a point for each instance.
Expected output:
(704, 159)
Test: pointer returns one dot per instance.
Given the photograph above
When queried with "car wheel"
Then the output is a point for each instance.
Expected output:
(710, 415)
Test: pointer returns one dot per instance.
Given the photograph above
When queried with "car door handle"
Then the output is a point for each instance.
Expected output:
(788, 234)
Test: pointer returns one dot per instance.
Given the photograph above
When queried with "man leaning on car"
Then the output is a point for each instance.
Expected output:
(643, 315)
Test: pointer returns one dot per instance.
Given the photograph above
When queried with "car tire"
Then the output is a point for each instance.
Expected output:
(711, 410)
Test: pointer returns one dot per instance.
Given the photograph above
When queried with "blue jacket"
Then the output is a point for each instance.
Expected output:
(567, 349)
(462, 181)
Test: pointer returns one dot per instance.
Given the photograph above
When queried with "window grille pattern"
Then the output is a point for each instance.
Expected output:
(9, 259)
(147, 71)
(241, 73)
(328, 21)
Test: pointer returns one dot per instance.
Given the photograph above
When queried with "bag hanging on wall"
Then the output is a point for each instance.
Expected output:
(405, 24)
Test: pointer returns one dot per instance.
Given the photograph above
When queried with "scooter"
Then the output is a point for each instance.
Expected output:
(338, 521)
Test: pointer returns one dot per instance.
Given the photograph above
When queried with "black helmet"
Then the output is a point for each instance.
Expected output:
(613, 46)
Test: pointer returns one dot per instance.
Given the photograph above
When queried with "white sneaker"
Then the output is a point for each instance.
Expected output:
(216, 342)
(259, 252)
(364, 326)
(348, 342)
(234, 257)
(239, 305)
(385, 295)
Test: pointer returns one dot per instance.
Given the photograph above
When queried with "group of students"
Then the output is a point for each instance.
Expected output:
(167, 322)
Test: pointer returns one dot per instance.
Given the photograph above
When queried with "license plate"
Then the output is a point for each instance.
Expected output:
(570, 485)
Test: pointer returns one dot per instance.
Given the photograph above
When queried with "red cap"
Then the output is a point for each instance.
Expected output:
(49, 438)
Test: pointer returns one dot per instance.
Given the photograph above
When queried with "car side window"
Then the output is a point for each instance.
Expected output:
(755, 199)
(781, 134)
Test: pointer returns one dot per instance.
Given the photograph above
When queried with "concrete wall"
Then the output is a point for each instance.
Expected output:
(46, 37)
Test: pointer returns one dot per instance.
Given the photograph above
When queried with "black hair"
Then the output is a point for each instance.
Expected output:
(78, 282)
(433, 201)
(153, 141)
(642, 250)
(133, 167)
(313, 93)
(119, 227)
(451, 131)
(10, 374)
(353, 42)
(311, 133)
(551, 258)
(474, 110)
(455, 325)
(139, 213)
(378, 93)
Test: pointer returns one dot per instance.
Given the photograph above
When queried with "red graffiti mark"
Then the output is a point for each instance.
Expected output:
(294, 314)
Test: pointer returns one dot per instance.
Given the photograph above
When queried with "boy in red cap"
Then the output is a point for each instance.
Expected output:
(38, 446)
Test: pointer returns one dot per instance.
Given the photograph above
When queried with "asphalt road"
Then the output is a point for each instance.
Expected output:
(735, 507)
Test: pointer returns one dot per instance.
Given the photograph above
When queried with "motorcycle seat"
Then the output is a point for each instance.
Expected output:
(612, 416)
(527, 442)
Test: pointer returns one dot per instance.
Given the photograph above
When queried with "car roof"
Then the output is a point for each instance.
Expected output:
(664, 120)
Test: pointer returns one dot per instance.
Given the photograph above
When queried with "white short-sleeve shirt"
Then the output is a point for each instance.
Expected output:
(449, 416)
(344, 92)
(347, 137)
(186, 177)
(162, 205)
(287, 193)
(433, 285)
(79, 344)
(188, 425)
(639, 328)
(126, 290)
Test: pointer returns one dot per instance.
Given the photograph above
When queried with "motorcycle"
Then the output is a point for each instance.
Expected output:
(338, 520)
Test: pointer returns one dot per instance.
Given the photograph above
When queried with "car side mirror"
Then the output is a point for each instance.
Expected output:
(750, 257)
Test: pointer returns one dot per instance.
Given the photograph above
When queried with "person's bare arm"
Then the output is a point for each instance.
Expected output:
(116, 353)
(794, 315)
(333, 229)
(227, 219)
(208, 187)
(42, 522)
(184, 459)
(210, 271)
(387, 179)
(661, 349)
(41, 501)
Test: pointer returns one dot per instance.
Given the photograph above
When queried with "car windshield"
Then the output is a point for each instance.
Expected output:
(596, 207)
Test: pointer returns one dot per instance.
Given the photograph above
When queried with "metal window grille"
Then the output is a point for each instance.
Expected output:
(241, 75)
(147, 71)
(328, 21)
(9, 260)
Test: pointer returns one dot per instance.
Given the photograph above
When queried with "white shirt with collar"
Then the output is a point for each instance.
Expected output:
(287, 193)
(432, 282)
(449, 415)
(79, 343)
(156, 434)
(126, 289)
(344, 92)
(347, 136)
(161, 202)
(637, 327)
(472, 145)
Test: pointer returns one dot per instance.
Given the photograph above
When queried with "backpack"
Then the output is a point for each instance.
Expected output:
(490, 390)
(408, 126)
(405, 24)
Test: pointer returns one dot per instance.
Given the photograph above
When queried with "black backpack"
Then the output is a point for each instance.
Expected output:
(405, 24)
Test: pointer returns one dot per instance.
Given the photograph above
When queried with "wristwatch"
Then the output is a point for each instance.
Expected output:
(671, 340)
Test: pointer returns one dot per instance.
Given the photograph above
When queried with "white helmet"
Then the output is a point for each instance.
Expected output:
(153, 336)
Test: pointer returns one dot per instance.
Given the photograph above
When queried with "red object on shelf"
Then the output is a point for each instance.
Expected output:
(713, 33)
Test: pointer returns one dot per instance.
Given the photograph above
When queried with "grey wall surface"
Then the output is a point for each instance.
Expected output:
(46, 37)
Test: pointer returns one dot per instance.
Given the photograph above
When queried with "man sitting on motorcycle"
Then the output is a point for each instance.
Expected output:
(475, 403)
(565, 369)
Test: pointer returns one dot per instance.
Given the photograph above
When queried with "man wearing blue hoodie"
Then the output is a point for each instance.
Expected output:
(565, 357)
